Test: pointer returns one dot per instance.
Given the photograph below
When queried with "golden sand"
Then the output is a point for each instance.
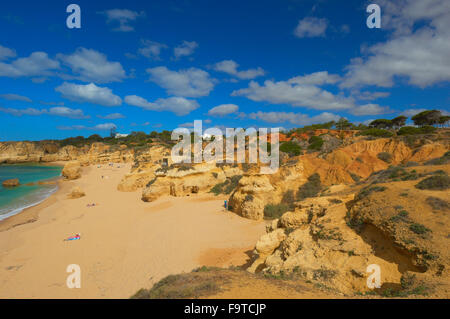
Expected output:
(125, 244)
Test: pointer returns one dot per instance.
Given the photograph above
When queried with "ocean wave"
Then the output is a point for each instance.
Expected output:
(27, 201)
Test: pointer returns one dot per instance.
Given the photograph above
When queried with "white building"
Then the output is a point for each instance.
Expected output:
(118, 135)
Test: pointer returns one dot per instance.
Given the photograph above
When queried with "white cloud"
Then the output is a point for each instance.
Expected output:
(317, 78)
(6, 53)
(370, 109)
(224, 109)
(311, 27)
(98, 127)
(20, 112)
(67, 112)
(412, 112)
(192, 82)
(55, 111)
(37, 64)
(186, 48)
(15, 97)
(422, 56)
(178, 105)
(104, 126)
(189, 124)
(93, 66)
(89, 93)
(230, 67)
(124, 17)
(151, 49)
(293, 118)
(112, 116)
(369, 96)
(295, 93)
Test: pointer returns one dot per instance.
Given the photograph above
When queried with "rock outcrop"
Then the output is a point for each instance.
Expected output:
(183, 180)
(342, 166)
(75, 193)
(72, 170)
(14, 182)
(143, 170)
(385, 221)
(41, 152)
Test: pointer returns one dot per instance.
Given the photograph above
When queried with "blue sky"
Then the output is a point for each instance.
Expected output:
(154, 65)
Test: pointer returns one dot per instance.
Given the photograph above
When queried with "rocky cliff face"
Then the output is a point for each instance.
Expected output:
(23, 152)
(396, 219)
(143, 170)
(181, 180)
(345, 165)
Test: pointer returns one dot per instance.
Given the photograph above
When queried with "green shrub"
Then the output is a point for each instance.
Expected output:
(436, 182)
(274, 211)
(375, 132)
(315, 143)
(151, 182)
(249, 198)
(226, 187)
(411, 130)
(288, 198)
(385, 156)
(366, 191)
(291, 148)
(180, 287)
(355, 177)
(311, 188)
(437, 203)
(445, 159)
(418, 229)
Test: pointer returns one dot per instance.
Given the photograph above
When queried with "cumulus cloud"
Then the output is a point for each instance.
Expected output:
(151, 49)
(421, 55)
(89, 93)
(112, 116)
(93, 66)
(370, 109)
(37, 64)
(224, 109)
(231, 67)
(317, 78)
(124, 17)
(178, 105)
(186, 48)
(369, 96)
(15, 97)
(6, 53)
(311, 27)
(293, 118)
(98, 127)
(298, 92)
(191, 82)
(55, 111)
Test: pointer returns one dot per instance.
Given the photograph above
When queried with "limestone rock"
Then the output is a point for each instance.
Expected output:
(11, 182)
(76, 192)
(72, 170)
(269, 242)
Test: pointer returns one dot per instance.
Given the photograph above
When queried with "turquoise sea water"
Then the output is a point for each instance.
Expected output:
(14, 200)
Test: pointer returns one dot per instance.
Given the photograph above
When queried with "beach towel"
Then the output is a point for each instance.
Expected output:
(76, 237)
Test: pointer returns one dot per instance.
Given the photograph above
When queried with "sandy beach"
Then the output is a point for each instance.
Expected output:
(126, 244)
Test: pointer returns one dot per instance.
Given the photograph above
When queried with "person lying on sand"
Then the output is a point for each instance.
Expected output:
(76, 237)
(92, 205)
